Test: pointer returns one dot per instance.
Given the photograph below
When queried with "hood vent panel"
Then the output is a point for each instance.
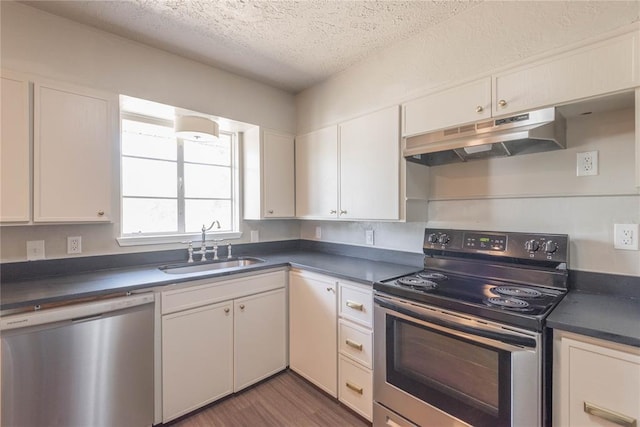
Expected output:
(533, 132)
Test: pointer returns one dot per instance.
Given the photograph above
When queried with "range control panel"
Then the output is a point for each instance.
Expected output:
(533, 246)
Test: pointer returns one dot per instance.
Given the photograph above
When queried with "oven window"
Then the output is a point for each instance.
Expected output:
(465, 379)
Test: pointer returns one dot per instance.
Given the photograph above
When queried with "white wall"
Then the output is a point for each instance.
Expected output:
(536, 193)
(43, 44)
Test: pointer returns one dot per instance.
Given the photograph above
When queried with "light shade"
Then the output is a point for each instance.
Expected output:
(196, 128)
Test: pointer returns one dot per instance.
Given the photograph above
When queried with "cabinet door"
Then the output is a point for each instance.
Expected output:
(74, 142)
(312, 330)
(599, 69)
(317, 174)
(197, 358)
(260, 347)
(452, 107)
(278, 175)
(15, 171)
(370, 166)
(602, 384)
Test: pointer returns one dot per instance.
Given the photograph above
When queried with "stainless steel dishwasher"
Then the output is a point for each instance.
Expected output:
(87, 364)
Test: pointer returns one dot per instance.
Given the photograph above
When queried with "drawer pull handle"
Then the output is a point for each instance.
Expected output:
(355, 388)
(355, 305)
(354, 344)
(609, 415)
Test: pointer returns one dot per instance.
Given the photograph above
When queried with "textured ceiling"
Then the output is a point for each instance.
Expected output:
(288, 44)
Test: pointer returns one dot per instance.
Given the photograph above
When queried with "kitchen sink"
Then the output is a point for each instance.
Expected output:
(222, 264)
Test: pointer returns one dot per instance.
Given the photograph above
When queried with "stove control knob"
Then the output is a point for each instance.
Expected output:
(531, 245)
(443, 239)
(432, 238)
(550, 246)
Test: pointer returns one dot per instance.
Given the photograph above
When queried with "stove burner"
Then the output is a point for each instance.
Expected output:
(432, 276)
(513, 291)
(417, 282)
(508, 303)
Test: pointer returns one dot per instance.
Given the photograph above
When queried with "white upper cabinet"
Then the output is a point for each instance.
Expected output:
(598, 69)
(15, 178)
(317, 174)
(601, 68)
(75, 138)
(268, 159)
(351, 171)
(461, 104)
(370, 166)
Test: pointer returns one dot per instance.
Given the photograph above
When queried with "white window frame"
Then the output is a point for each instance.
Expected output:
(184, 237)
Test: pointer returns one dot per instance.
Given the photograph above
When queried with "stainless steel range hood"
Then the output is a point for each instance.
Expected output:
(525, 133)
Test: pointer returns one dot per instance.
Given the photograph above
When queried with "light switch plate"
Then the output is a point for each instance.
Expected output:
(35, 250)
(368, 237)
(255, 236)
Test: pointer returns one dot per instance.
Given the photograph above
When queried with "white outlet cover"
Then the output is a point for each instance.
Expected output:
(74, 245)
(318, 232)
(255, 236)
(35, 250)
(625, 236)
(587, 163)
(368, 237)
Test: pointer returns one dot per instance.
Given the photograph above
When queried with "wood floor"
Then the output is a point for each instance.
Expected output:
(284, 400)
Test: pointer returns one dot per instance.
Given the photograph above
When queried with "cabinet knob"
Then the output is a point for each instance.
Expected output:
(479, 109)
(100, 213)
(332, 211)
(241, 306)
(343, 212)
(502, 103)
(226, 310)
(270, 211)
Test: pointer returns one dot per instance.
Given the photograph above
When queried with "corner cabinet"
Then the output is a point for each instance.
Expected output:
(75, 142)
(351, 171)
(596, 382)
(268, 167)
(15, 149)
(220, 337)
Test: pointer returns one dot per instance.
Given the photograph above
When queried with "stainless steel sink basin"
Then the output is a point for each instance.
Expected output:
(223, 264)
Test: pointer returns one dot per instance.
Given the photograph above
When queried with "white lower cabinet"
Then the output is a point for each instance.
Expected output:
(260, 347)
(355, 383)
(312, 329)
(220, 337)
(596, 382)
(197, 358)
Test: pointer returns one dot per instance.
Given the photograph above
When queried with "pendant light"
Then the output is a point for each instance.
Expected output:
(196, 128)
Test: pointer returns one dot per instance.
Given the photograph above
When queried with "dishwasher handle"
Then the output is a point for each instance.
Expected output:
(74, 312)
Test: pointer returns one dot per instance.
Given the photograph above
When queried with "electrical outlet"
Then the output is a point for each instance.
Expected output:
(74, 245)
(587, 163)
(368, 237)
(35, 250)
(318, 232)
(255, 236)
(625, 236)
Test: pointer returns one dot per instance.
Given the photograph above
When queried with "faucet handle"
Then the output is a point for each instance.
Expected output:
(189, 250)
(229, 250)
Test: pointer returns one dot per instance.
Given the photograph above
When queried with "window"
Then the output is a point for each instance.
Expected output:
(170, 186)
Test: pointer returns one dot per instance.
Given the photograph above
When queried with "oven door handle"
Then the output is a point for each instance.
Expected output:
(403, 308)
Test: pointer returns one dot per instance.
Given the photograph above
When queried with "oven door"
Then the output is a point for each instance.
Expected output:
(435, 367)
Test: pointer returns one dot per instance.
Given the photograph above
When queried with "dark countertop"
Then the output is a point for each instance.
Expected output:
(609, 317)
(36, 291)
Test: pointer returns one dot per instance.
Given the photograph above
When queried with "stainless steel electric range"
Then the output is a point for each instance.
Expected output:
(463, 341)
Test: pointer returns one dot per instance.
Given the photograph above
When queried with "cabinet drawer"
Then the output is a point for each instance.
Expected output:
(356, 303)
(356, 342)
(355, 388)
(612, 387)
(208, 293)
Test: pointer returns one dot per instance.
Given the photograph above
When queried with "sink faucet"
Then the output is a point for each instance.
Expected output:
(204, 230)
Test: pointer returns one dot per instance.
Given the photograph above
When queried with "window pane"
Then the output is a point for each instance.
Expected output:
(213, 153)
(151, 178)
(204, 212)
(148, 140)
(149, 216)
(207, 181)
